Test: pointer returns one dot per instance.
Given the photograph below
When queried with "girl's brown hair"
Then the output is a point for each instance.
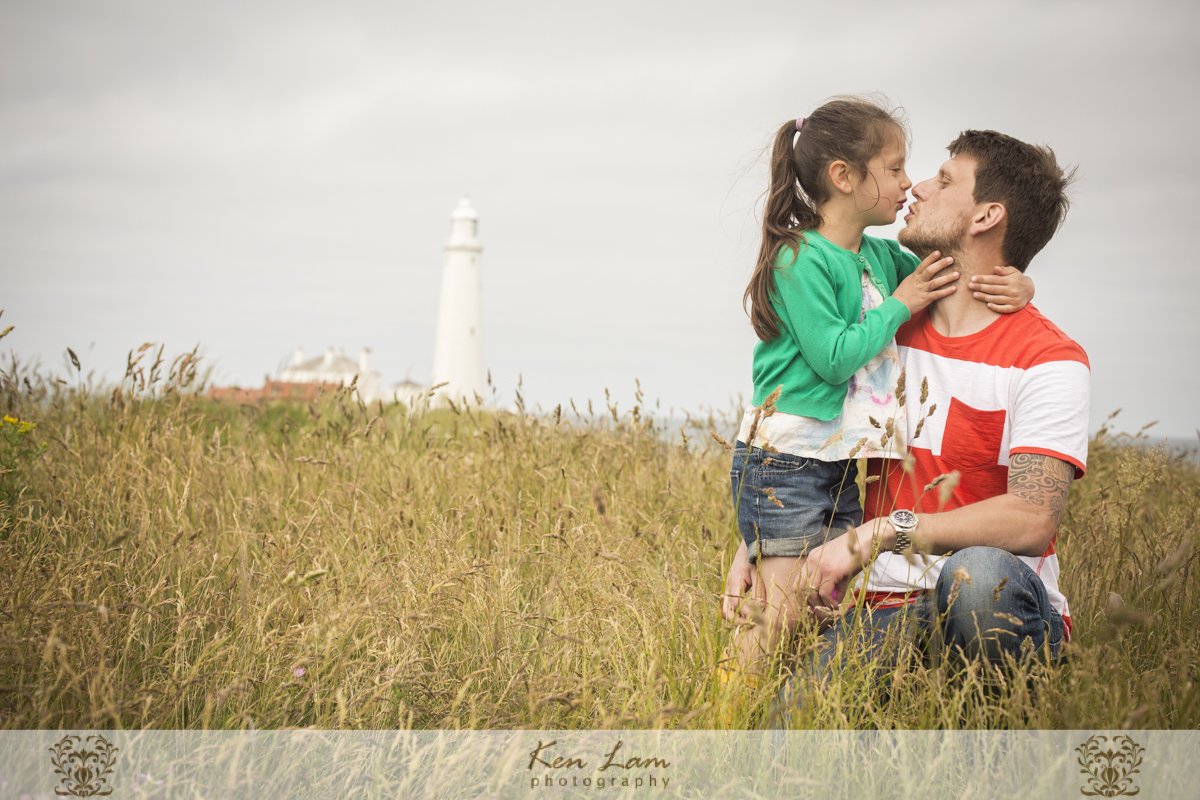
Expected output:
(848, 129)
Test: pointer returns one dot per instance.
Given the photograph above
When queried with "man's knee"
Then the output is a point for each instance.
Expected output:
(987, 603)
(974, 579)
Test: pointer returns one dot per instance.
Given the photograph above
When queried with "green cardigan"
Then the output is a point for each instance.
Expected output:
(821, 343)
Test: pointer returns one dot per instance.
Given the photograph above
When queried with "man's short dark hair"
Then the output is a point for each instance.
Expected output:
(1027, 180)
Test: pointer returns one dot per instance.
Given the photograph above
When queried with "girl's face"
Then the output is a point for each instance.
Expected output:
(883, 191)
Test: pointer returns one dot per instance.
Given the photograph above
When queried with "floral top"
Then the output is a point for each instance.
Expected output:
(869, 425)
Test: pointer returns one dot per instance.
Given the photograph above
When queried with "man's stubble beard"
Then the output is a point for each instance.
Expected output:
(947, 240)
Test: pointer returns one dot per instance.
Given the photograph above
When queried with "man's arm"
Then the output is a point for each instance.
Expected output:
(1022, 521)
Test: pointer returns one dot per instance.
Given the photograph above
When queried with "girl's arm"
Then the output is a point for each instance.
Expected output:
(834, 347)
(1007, 291)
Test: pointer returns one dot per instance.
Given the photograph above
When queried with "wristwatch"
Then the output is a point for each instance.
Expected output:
(904, 522)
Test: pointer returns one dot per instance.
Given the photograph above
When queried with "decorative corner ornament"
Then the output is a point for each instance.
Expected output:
(1110, 771)
(85, 765)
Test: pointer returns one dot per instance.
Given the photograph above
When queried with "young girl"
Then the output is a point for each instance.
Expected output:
(826, 301)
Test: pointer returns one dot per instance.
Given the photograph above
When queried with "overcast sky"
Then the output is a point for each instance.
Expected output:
(254, 177)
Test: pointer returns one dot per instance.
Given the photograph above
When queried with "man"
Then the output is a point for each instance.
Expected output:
(996, 412)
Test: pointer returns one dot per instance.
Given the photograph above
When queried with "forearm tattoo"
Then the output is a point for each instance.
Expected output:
(1041, 481)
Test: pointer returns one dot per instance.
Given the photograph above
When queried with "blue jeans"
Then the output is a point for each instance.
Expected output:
(986, 605)
(787, 505)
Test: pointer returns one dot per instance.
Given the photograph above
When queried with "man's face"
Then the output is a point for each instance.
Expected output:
(940, 215)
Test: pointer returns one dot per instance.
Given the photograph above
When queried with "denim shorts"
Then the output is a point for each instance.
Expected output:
(787, 505)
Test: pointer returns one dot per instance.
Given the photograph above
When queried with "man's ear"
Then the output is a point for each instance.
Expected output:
(987, 217)
(840, 177)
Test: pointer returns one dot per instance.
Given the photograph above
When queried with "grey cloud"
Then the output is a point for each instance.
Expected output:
(257, 177)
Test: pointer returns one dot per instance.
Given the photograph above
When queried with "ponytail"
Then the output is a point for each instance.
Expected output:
(786, 215)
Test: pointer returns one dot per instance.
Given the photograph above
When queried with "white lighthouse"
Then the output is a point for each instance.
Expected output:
(458, 351)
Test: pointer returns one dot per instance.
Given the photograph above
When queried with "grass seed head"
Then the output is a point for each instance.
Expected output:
(773, 398)
(770, 493)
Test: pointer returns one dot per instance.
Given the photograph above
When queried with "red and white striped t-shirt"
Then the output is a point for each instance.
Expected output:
(1020, 385)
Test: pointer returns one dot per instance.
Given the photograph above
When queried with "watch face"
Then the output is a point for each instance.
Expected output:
(904, 517)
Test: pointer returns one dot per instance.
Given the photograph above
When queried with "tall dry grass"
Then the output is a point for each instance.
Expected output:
(171, 562)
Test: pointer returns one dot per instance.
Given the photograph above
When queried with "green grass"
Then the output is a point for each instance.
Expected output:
(170, 562)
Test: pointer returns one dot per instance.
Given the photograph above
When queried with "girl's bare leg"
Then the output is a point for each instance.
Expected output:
(773, 608)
